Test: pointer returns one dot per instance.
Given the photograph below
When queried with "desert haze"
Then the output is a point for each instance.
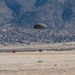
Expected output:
(38, 63)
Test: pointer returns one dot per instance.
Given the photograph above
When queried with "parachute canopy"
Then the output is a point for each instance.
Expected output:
(40, 26)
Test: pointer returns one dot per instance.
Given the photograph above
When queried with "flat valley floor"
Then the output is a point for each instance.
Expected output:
(38, 63)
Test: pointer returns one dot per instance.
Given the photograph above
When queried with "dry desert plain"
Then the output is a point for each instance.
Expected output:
(38, 63)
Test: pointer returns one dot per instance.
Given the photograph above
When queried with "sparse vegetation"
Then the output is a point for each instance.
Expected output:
(23, 36)
(40, 61)
(13, 51)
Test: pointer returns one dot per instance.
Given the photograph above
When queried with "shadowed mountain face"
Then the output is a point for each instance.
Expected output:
(54, 13)
(58, 15)
(40, 3)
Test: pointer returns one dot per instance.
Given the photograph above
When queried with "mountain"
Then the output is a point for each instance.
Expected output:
(30, 12)
(18, 17)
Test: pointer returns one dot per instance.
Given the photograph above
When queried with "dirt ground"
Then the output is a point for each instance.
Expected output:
(38, 63)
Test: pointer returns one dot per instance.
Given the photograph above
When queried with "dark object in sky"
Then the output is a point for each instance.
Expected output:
(40, 26)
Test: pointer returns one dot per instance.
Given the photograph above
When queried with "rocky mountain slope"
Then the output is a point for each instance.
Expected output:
(17, 18)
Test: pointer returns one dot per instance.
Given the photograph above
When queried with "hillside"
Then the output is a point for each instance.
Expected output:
(17, 18)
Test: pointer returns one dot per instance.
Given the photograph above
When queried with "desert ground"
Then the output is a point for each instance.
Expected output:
(38, 63)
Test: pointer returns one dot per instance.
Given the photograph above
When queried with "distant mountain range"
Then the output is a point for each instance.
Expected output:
(18, 17)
